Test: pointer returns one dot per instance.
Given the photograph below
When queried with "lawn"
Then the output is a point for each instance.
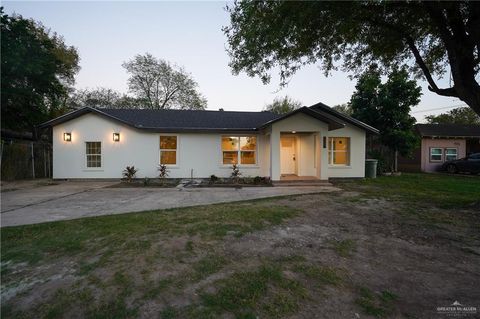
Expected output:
(368, 250)
(445, 191)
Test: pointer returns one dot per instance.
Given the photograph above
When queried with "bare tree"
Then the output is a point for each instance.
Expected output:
(101, 97)
(162, 85)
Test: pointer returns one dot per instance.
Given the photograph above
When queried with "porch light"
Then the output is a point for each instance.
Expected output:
(293, 132)
(67, 137)
(116, 137)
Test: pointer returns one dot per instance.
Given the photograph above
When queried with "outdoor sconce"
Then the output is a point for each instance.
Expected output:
(67, 137)
(116, 137)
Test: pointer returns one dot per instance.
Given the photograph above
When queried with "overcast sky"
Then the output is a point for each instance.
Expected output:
(189, 34)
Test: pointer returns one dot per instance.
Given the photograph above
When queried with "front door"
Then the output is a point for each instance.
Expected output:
(287, 155)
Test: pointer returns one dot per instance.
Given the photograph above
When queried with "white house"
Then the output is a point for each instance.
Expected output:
(314, 141)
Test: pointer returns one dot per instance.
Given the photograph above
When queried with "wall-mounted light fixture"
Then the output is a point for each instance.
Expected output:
(293, 132)
(67, 137)
(116, 137)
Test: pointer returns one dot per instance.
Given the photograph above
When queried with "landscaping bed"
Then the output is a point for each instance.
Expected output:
(196, 182)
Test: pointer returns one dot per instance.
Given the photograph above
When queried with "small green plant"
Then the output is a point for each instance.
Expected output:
(235, 175)
(129, 173)
(213, 179)
(146, 181)
(163, 172)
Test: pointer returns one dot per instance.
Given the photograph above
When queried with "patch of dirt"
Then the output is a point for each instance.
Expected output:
(425, 265)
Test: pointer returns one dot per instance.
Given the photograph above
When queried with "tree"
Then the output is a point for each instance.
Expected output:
(162, 85)
(38, 69)
(343, 108)
(461, 115)
(283, 105)
(386, 106)
(430, 37)
(102, 98)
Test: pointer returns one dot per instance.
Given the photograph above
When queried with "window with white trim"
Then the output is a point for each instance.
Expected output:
(436, 154)
(93, 152)
(168, 149)
(339, 151)
(239, 147)
(450, 154)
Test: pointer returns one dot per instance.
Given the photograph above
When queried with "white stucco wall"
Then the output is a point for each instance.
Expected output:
(304, 123)
(357, 153)
(200, 152)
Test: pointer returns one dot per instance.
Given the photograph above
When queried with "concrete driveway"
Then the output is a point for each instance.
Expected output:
(70, 200)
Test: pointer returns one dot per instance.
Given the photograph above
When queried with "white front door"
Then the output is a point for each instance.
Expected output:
(287, 155)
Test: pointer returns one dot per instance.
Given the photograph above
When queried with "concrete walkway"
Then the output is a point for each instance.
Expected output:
(70, 200)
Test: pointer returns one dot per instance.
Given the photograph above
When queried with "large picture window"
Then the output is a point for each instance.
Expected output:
(339, 151)
(168, 150)
(94, 154)
(436, 154)
(235, 148)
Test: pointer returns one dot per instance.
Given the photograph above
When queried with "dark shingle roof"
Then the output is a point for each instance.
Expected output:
(177, 120)
(192, 119)
(208, 121)
(448, 130)
(320, 107)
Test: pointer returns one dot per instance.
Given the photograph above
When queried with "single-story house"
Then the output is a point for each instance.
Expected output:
(441, 143)
(315, 141)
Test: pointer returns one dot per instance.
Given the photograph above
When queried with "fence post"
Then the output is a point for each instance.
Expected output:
(33, 161)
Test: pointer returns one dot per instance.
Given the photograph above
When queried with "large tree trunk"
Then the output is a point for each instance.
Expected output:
(461, 42)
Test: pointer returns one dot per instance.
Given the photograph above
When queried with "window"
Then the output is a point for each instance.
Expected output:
(450, 154)
(339, 151)
(168, 150)
(94, 154)
(239, 147)
(435, 154)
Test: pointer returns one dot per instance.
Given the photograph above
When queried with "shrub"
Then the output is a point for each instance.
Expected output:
(235, 175)
(258, 180)
(146, 181)
(163, 171)
(213, 179)
(129, 173)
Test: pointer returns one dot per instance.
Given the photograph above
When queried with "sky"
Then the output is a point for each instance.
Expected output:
(188, 34)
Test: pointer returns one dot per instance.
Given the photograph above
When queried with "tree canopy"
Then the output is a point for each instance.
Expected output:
(283, 105)
(431, 38)
(386, 106)
(461, 115)
(343, 108)
(101, 97)
(38, 69)
(162, 85)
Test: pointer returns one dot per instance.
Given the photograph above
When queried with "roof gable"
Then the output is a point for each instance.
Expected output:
(320, 107)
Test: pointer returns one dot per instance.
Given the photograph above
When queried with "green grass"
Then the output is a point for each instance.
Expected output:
(133, 232)
(320, 274)
(248, 294)
(379, 305)
(444, 191)
(344, 247)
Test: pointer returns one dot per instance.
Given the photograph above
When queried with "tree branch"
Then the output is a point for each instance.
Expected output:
(432, 86)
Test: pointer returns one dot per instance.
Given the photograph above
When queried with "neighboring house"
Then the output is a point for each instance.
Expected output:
(441, 143)
(314, 141)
